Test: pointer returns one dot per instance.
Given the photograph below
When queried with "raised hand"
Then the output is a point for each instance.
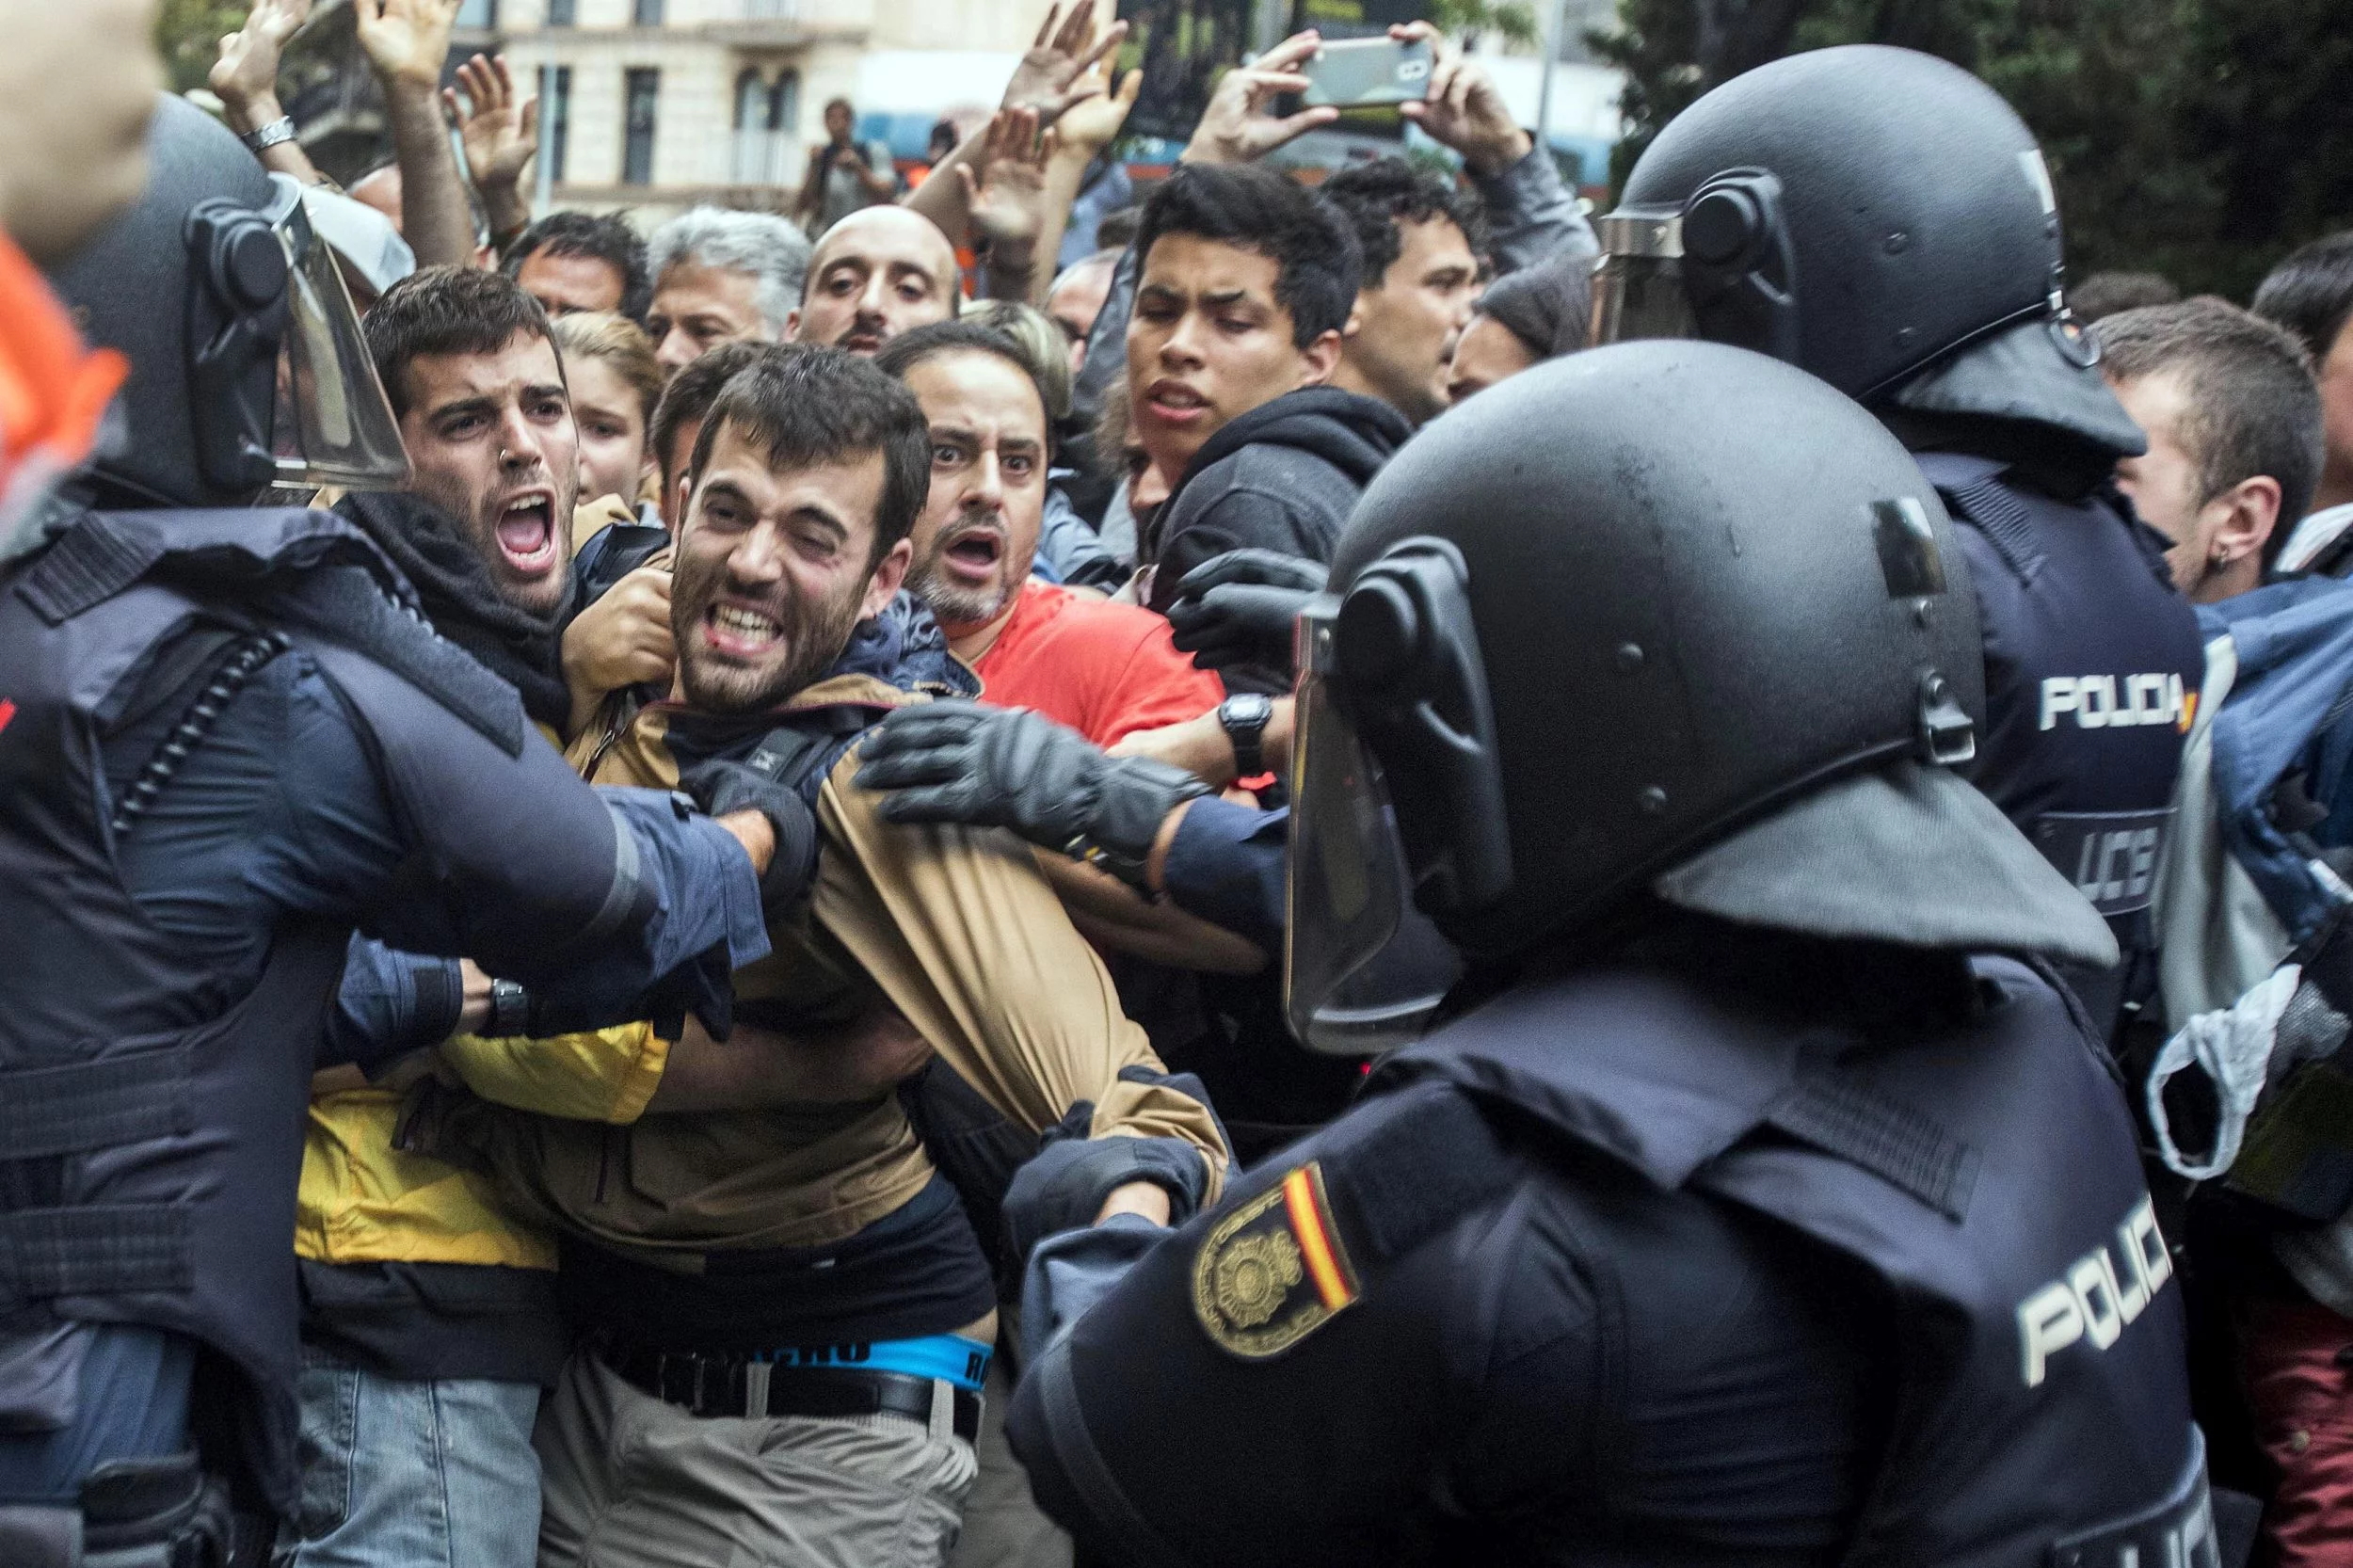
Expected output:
(246, 76)
(501, 129)
(1233, 130)
(1462, 108)
(1051, 77)
(1005, 202)
(1093, 122)
(405, 40)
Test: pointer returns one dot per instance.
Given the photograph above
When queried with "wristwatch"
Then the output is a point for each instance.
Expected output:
(1244, 716)
(510, 1010)
(262, 137)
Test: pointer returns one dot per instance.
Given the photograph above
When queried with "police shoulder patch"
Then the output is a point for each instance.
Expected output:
(1275, 1270)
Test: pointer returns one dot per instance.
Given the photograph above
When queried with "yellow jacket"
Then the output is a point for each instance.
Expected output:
(364, 1201)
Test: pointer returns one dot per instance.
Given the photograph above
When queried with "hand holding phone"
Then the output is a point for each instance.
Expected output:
(1350, 74)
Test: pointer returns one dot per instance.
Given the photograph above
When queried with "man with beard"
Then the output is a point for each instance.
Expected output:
(1106, 670)
(428, 1323)
(877, 273)
(721, 1278)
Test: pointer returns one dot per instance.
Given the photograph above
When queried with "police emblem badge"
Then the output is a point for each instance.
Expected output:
(1274, 1271)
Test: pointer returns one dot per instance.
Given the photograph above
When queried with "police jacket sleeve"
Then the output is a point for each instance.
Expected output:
(1212, 1404)
(1531, 216)
(389, 1004)
(600, 896)
(1226, 865)
(963, 934)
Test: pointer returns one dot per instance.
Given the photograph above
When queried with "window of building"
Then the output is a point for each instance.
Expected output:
(478, 13)
(751, 101)
(560, 13)
(555, 91)
(648, 14)
(784, 103)
(642, 89)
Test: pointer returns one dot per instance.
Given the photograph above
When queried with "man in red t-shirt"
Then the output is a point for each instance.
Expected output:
(1106, 670)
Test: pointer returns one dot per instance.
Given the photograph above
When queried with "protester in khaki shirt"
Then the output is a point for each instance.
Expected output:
(715, 1258)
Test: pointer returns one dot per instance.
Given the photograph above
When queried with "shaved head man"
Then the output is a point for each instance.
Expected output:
(875, 274)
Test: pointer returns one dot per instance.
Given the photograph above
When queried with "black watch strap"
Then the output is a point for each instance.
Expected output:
(510, 1010)
(1246, 733)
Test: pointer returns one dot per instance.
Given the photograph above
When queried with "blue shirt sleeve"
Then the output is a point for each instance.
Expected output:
(1226, 865)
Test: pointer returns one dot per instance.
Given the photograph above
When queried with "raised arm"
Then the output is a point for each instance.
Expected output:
(406, 41)
(500, 128)
(245, 79)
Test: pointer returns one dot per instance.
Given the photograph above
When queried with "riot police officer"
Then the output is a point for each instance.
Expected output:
(1763, 1200)
(1884, 220)
(227, 739)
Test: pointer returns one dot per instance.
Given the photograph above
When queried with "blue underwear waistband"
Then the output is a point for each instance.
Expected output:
(949, 1357)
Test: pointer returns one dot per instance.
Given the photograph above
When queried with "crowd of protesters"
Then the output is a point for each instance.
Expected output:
(731, 488)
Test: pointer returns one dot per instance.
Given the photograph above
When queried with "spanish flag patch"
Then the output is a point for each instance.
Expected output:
(1274, 1271)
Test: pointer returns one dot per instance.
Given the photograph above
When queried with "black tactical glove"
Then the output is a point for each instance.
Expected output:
(722, 788)
(996, 767)
(1238, 608)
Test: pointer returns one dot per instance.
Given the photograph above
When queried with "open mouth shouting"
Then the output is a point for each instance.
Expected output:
(1174, 403)
(970, 557)
(734, 630)
(528, 539)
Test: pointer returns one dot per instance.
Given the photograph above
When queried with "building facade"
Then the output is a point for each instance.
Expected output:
(657, 105)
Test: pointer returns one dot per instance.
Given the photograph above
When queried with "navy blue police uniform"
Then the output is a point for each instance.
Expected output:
(227, 739)
(1752, 1249)
(2093, 663)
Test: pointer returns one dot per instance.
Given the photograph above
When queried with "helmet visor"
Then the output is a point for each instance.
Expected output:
(1637, 284)
(1363, 970)
(334, 425)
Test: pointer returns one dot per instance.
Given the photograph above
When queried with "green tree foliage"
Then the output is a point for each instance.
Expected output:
(188, 34)
(2199, 138)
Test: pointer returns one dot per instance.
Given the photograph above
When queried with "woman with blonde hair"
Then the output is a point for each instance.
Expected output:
(615, 380)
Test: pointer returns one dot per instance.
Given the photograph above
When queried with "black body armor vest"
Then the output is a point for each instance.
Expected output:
(151, 1136)
(2092, 662)
(1946, 1217)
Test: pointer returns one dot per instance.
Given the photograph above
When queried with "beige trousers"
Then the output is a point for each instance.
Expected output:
(628, 1481)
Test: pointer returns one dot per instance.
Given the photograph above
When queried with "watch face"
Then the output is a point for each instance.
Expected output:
(1249, 708)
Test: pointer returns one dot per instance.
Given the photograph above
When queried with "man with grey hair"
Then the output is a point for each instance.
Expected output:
(722, 277)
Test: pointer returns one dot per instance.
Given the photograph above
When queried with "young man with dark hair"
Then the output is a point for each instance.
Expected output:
(1422, 238)
(2310, 293)
(2234, 422)
(429, 1320)
(678, 419)
(756, 1277)
(1246, 282)
(475, 379)
(574, 262)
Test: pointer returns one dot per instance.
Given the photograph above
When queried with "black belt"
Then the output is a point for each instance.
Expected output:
(744, 1385)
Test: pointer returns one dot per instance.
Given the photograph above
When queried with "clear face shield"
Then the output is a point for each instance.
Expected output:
(1363, 970)
(1637, 283)
(333, 424)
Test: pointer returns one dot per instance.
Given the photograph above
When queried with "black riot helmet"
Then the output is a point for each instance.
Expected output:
(1867, 213)
(1558, 673)
(247, 369)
